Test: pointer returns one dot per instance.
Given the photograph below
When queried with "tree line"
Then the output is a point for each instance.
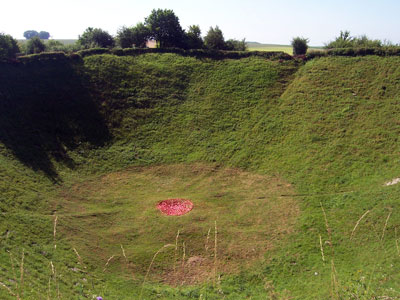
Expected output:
(43, 35)
(163, 27)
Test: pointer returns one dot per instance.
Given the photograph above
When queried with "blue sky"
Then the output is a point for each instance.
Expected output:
(274, 22)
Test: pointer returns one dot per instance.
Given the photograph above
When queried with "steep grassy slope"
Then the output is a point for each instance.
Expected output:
(340, 145)
(45, 114)
(329, 127)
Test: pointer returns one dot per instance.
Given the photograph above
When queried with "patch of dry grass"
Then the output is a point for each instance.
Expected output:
(120, 208)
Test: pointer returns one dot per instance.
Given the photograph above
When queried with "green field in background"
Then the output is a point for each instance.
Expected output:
(64, 41)
(253, 46)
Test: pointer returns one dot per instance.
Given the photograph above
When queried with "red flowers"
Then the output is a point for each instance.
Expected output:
(175, 207)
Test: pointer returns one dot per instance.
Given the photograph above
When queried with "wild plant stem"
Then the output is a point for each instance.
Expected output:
(358, 222)
(176, 250)
(53, 271)
(123, 253)
(14, 274)
(55, 231)
(79, 258)
(322, 249)
(215, 251)
(8, 289)
(384, 228)
(21, 280)
(334, 280)
(108, 261)
(208, 238)
(183, 255)
(151, 264)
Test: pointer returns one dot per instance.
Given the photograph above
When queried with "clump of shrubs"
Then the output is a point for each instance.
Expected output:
(133, 37)
(236, 45)
(345, 40)
(300, 45)
(193, 39)
(57, 46)
(347, 45)
(8, 47)
(96, 37)
(214, 40)
(35, 45)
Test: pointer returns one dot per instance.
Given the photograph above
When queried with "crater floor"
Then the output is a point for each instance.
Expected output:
(238, 216)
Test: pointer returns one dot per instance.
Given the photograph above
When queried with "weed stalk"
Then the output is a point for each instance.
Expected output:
(384, 228)
(8, 289)
(124, 255)
(334, 280)
(55, 231)
(358, 222)
(207, 239)
(79, 258)
(322, 249)
(53, 274)
(14, 273)
(215, 251)
(176, 250)
(108, 261)
(151, 264)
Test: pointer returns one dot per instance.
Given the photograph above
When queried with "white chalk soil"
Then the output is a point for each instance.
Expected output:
(393, 182)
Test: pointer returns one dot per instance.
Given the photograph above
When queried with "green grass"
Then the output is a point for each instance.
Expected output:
(87, 140)
(64, 41)
(272, 47)
(266, 47)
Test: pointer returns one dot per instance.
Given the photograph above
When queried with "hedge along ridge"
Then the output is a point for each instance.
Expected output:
(204, 53)
(44, 57)
(199, 53)
(390, 51)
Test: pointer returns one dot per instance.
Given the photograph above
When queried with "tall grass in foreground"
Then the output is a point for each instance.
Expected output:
(338, 289)
(342, 290)
(151, 264)
(334, 280)
(18, 292)
(53, 287)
